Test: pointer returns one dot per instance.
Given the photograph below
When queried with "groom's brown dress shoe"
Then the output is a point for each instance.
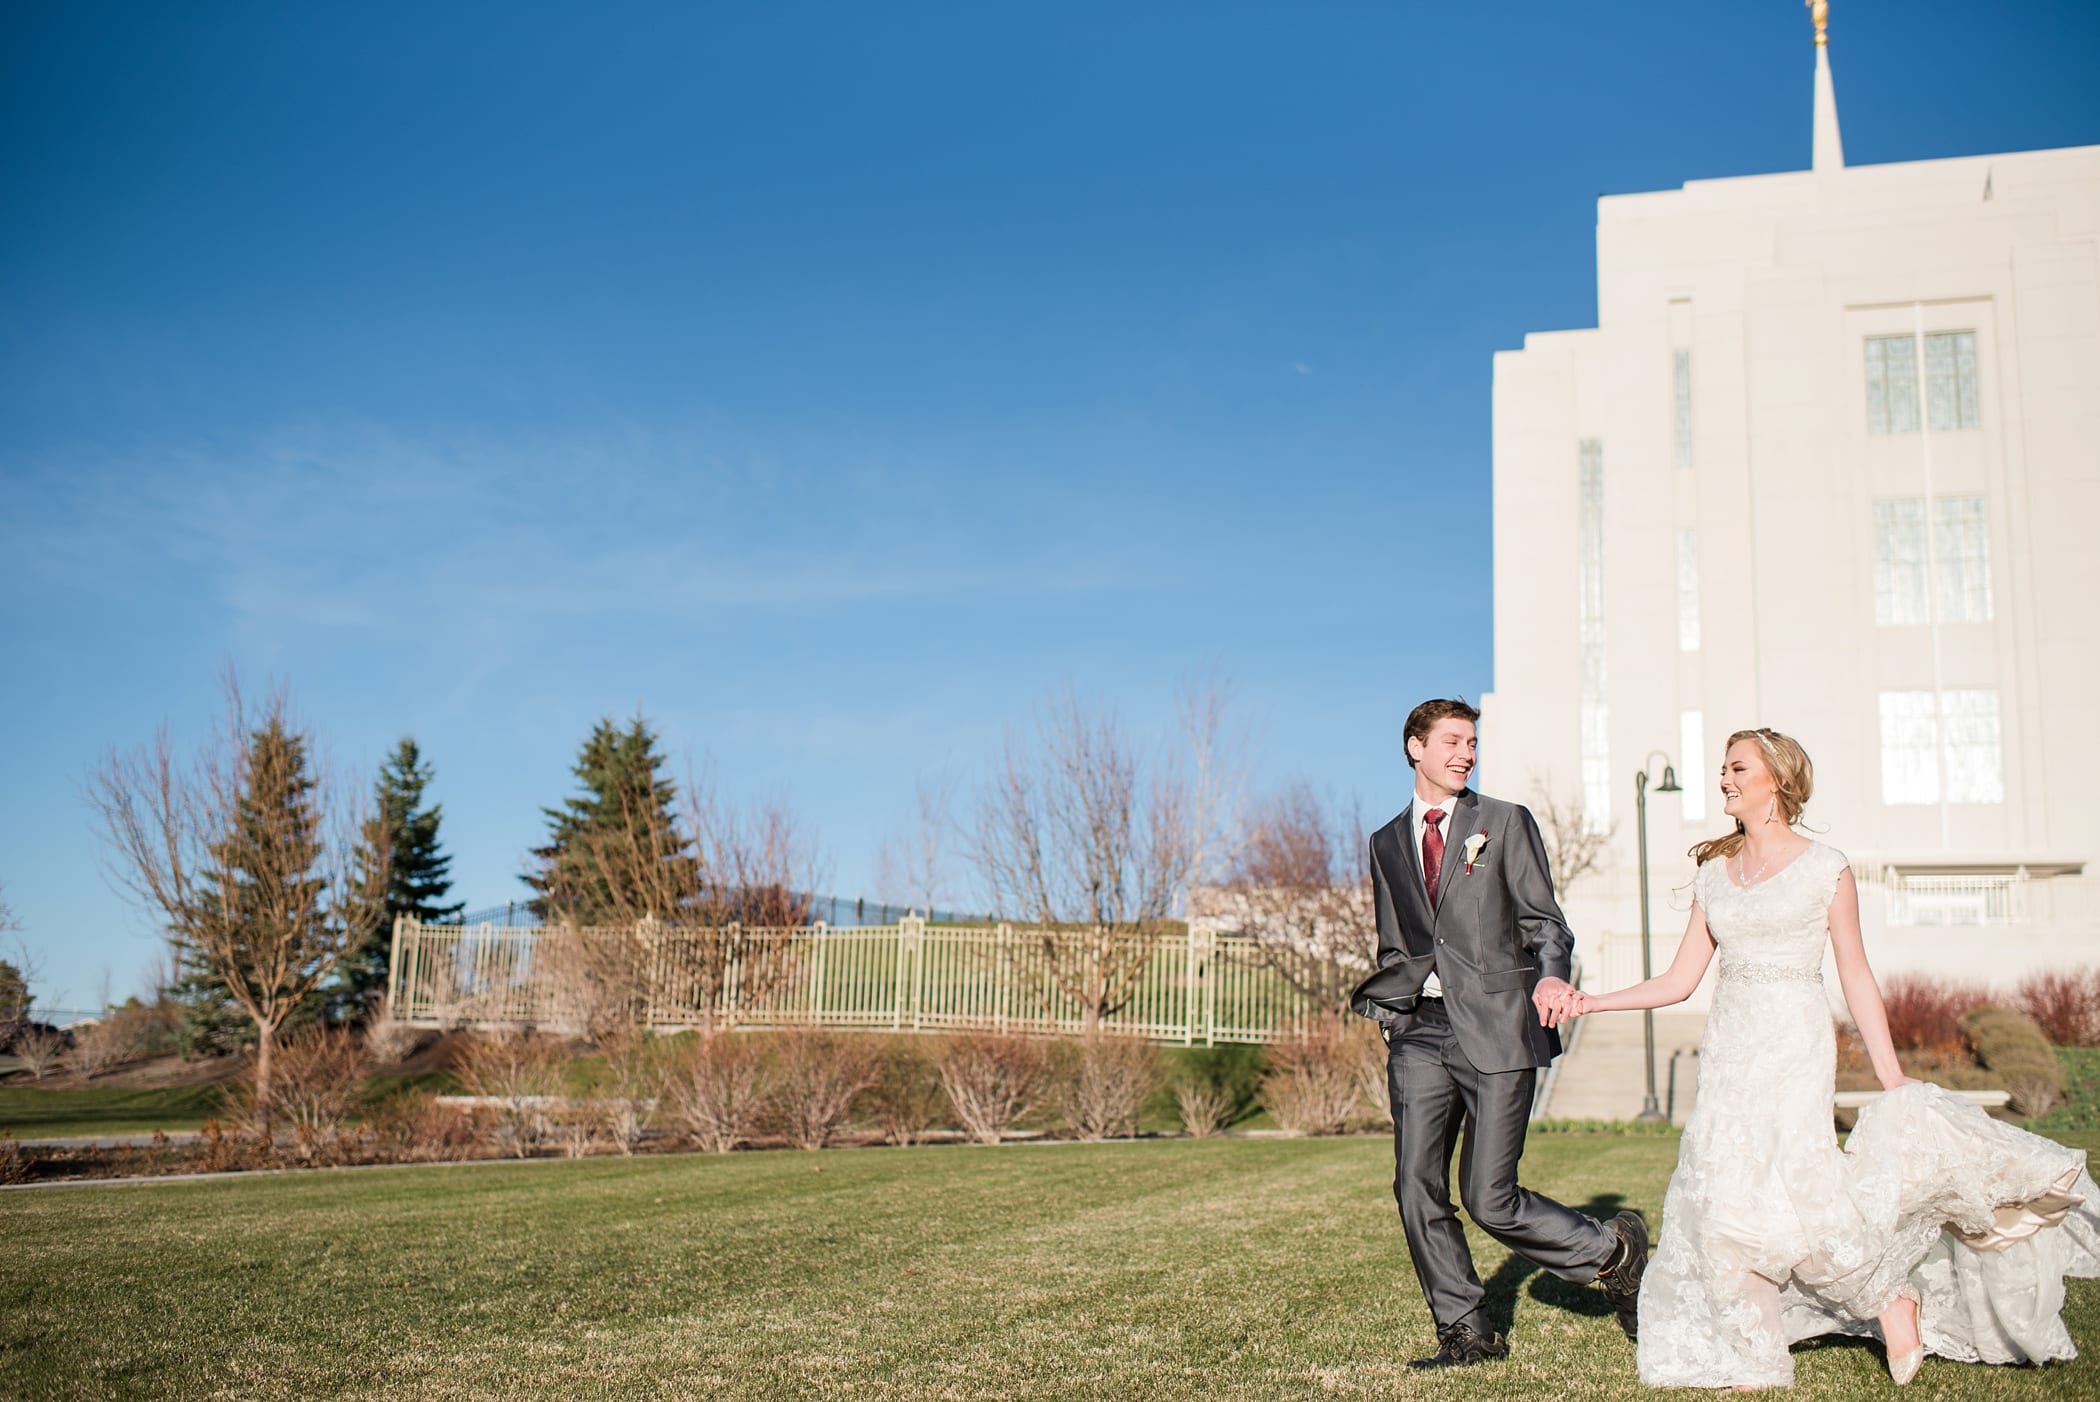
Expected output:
(1460, 1346)
(1622, 1278)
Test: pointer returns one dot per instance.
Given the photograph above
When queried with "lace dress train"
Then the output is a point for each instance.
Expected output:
(1772, 1234)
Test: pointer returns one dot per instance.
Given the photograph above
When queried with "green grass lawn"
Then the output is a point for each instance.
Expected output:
(1163, 1269)
(29, 1113)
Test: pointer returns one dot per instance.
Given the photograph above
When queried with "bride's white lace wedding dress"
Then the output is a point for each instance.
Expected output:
(1771, 1233)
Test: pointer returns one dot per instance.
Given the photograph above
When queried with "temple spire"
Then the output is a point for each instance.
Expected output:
(1829, 151)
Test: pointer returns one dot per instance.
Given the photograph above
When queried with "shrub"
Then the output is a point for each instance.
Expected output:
(574, 1126)
(414, 1128)
(315, 1079)
(1925, 1013)
(819, 1076)
(1220, 1082)
(906, 1097)
(1313, 1082)
(229, 1147)
(1101, 1080)
(1205, 1107)
(122, 1035)
(40, 1049)
(633, 1086)
(1372, 1059)
(992, 1081)
(2080, 1112)
(14, 1159)
(2066, 1005)
(2018, 1056)
(718, 1087)
(522, 1074)
(596, 980)
(388, 1042)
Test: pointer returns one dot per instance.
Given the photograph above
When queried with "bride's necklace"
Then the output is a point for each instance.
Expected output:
(1751, 879)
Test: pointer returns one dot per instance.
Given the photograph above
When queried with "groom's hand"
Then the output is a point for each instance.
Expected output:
(1551, 998)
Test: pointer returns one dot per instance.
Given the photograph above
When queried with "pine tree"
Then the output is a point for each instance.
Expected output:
(588, 870)
(263, 872)
(418, 875)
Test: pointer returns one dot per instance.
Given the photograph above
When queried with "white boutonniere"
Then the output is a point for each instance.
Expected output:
(1473, 845)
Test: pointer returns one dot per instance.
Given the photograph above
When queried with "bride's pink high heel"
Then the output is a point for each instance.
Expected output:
(1904, 1366)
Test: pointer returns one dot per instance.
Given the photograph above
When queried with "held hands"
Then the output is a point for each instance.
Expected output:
(1558, 1002)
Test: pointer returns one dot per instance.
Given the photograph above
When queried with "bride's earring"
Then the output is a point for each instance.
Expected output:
(1772, 808)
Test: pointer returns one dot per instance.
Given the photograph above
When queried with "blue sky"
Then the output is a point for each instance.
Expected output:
(832, 383)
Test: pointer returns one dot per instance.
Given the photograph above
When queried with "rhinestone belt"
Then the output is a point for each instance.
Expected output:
(1743, 971)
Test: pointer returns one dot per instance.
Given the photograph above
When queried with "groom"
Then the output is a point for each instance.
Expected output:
(1473, 954)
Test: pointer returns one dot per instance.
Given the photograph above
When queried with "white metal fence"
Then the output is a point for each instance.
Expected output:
(1194, 988)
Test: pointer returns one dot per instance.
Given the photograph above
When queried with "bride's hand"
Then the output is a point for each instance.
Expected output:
(1900, 1082)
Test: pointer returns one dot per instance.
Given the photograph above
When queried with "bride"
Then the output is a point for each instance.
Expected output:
(1945, 1231)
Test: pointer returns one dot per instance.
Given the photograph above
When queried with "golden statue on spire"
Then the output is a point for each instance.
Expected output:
(1819, 11)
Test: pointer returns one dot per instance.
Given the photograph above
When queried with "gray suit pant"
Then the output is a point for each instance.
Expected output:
(1436, 1092)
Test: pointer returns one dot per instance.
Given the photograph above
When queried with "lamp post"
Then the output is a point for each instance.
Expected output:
(1650, 1110)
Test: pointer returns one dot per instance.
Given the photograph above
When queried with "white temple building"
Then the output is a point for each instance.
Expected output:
(1829, 462)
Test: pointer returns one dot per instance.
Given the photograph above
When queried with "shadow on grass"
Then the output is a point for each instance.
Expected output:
(1507, 1283)
(1508, 1280)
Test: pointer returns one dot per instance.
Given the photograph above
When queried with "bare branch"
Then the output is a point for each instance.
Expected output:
(1082, 837)
(1574, 848)
(728, 883)
(1300, 886)
(914, 860)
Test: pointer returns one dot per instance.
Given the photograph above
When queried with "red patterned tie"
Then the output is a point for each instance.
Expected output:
(1432, 850)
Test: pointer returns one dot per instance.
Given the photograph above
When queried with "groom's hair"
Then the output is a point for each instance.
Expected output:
(1422, 717)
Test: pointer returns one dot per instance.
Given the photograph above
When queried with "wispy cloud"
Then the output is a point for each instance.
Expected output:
(345, 527)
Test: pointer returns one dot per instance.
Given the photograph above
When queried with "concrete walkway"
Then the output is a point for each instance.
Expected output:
(1605, 1077)
(113, 1141)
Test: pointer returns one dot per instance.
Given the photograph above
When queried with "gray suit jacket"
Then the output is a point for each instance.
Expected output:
(1495, 932)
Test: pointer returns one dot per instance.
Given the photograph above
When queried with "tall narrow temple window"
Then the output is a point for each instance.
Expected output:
(1682, 388)
(1691, 752)
(1910, 742)
(1596, 709)
(1892, 384)
(1961, 557)
(1900, 595)
(1935, 743)
(1687, 591)
(1969, 738)
(1950, 381)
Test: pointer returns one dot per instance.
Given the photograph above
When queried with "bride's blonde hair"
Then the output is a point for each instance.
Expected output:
(1793, 777)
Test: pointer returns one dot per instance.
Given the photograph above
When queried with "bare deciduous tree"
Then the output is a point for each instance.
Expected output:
(701, 904)
(1301, 888)
(1094, 844)
(1574, 846)
(253, 864)
(914, 860)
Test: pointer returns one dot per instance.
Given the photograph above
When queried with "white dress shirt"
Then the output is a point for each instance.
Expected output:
(1417, 816)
